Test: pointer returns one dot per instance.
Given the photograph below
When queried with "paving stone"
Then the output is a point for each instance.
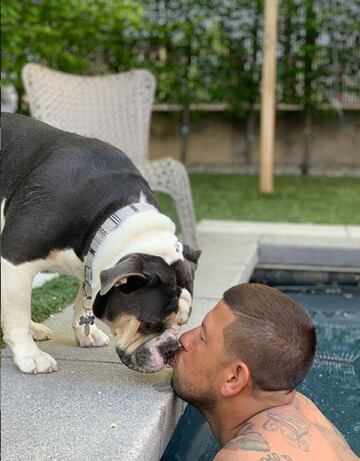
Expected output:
(92, 408)
(353, 231)
(85, 411)
(224, 258)
(325, 251)
(265, 228)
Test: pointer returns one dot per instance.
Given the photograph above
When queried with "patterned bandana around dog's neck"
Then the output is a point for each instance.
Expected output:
(112, 222)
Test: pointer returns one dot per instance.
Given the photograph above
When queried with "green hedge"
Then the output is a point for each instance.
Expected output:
(203, 51)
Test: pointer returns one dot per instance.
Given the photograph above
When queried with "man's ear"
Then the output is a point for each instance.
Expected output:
(237, 376)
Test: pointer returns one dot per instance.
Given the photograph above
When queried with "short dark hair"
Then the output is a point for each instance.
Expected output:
(273, 335)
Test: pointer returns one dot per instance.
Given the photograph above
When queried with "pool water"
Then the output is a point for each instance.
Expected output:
(333, 383)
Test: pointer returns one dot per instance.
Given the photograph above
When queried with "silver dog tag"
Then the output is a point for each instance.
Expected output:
(87, 320)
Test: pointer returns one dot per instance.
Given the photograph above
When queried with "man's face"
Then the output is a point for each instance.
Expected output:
(199, 362)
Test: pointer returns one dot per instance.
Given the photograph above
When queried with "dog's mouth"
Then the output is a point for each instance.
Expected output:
(153, 355)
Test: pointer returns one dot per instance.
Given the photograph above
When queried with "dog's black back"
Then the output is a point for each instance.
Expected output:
(59, 187)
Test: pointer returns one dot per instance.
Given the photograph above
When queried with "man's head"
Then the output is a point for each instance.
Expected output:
(255, 338)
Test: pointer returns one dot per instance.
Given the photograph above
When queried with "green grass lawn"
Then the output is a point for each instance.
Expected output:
(216, 196)
(53, 296)
(296, 199)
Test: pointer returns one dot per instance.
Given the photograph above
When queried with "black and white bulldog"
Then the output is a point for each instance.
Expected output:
(79, 206)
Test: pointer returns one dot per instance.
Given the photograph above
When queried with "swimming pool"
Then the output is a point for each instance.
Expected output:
(333, 383)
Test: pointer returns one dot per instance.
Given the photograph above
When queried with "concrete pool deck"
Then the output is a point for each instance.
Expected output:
(94, 408)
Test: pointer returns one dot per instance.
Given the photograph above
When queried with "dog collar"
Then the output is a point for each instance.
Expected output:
(111, 223)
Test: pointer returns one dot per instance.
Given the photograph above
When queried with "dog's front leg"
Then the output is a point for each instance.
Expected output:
(96, 338)
(16, 283)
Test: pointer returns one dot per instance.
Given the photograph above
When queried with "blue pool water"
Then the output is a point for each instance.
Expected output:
(333, 383)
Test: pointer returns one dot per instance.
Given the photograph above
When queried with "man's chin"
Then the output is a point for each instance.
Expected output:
(181, 388)
(174, 386)
(204, 402)
(177, 388)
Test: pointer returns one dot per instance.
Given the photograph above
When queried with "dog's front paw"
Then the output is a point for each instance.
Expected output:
(96, 338)
(36, 362)
(40, 332)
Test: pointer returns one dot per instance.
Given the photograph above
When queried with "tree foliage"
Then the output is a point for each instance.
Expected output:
(204, 51)
(77, 36)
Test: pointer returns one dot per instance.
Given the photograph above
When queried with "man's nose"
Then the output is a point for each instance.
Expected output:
(186, 338)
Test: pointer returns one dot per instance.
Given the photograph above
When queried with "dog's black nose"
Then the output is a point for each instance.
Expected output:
(168, 348)
(124, 357)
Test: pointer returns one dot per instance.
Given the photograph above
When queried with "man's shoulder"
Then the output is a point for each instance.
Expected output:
(226, 455)
(294, 432)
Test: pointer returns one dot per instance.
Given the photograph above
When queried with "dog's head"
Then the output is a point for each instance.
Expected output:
(144, 301)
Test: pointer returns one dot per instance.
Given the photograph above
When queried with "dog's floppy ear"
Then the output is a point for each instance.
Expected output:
(191, 254)
(118, 275)
(185, 270)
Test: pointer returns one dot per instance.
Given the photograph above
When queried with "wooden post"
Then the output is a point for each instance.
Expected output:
(268, 97)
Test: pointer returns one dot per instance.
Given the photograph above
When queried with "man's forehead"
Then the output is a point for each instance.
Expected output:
(220, 314)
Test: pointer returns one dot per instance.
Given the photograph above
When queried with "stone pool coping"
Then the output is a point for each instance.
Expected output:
(95, 408)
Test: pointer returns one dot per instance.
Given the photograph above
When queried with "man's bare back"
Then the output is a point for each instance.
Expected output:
(294, 432)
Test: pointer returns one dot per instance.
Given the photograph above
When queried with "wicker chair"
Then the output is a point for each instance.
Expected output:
(117, 109)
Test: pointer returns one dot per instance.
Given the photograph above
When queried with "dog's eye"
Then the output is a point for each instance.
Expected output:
(147, 327)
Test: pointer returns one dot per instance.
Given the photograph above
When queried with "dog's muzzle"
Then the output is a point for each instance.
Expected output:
(151, 356)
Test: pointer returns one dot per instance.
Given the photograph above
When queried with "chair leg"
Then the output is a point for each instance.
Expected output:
(170, 176)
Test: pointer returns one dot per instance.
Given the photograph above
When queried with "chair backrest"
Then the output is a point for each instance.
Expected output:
(115, 108)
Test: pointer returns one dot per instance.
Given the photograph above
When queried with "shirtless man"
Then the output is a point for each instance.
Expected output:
(241, 368)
